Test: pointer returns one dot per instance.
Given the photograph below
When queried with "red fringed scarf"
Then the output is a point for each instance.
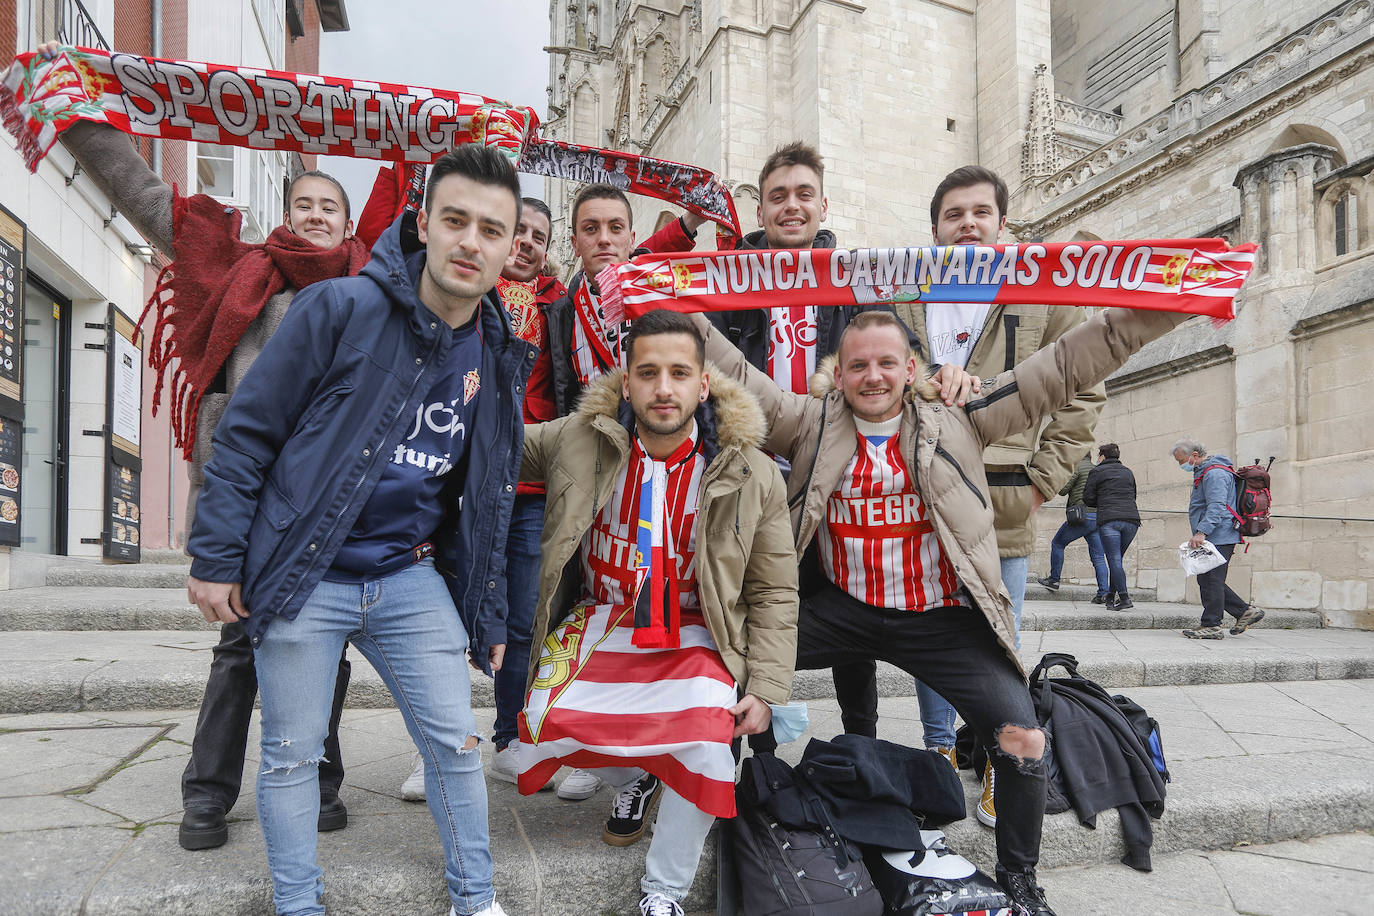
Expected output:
(217, 285)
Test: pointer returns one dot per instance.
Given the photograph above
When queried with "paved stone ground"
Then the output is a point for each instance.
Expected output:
(89, 804)
(1330, 875)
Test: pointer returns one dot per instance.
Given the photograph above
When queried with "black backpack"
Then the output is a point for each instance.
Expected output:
(789, 871)
(1147, 728)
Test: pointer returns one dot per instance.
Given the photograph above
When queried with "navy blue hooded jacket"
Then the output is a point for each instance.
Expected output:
(310, 430)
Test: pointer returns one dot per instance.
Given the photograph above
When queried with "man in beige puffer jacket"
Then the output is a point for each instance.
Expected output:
(891, 486)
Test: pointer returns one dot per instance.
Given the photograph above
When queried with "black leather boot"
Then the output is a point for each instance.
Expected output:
(203, 827)
(1021, 887)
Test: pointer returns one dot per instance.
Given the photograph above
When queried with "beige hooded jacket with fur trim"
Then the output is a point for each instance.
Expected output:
(746, 569)
(816, 433)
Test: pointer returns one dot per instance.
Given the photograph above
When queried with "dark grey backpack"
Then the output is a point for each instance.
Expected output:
(791, 871)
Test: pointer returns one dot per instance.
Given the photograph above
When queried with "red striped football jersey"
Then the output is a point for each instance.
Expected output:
(877, 541)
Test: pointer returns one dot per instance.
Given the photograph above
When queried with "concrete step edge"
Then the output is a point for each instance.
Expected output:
(92, 608)
(89, 685)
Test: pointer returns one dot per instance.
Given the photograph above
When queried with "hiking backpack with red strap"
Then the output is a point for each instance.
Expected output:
(1251, 510)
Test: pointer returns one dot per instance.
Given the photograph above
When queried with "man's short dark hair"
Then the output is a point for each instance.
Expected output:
(795, 153)
(538, 205)
(482, 164)
(663, 321)
(874, 318)
(965, 177)
(1109, 450)
(316, 173)
(600, 191)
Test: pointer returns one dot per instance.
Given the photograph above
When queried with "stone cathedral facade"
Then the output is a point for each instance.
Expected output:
(1248, 119)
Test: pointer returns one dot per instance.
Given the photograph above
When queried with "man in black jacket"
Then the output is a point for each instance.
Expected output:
(787, 343)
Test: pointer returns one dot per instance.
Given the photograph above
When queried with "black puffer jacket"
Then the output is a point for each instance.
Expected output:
(1111, 490)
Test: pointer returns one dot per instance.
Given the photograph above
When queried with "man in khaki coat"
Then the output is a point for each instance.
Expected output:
(890, 484)
(969, 207)
(666, 447)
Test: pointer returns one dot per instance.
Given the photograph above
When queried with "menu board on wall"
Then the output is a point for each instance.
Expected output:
(121, 508)
(13, 236)
(11, 441)
(123, 421)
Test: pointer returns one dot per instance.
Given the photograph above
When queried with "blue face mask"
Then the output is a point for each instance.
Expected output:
(1186, 466)
(789, 722)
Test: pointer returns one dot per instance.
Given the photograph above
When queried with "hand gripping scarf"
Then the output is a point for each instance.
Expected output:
(1193, 276)
(276, 109)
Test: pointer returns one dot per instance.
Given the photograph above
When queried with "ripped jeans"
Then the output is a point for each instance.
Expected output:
(406, 626)
(953, 651)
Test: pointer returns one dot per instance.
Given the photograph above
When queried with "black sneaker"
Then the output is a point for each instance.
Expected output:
(658, 905)
(1099, 599)
(1021, 887)
(1051, 584)
(203, 827)
(1123, 602)
(630, 811)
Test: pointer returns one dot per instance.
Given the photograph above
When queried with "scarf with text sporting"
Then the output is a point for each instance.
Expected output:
(276, 109)
(40, 96)
(1193, 276)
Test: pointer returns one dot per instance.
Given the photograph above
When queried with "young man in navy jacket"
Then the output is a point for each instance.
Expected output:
(331, 507)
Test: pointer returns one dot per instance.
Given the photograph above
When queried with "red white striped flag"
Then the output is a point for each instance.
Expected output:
(600, 701)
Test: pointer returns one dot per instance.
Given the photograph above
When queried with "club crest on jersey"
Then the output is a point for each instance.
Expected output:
(471, 382)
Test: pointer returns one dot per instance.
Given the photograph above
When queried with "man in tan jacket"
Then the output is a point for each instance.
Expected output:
(667, 604)
(1024, 469)
(890, 484)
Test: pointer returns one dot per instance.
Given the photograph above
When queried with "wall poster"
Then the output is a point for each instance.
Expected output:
(13, 249)
(123, 424)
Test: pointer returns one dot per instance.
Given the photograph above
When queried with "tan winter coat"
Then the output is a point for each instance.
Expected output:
(1043, 458)
(746, 569)
(818, 436)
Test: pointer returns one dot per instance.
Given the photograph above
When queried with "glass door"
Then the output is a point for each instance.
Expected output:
(43, 498)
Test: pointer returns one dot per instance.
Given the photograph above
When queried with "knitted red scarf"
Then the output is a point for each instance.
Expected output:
(217, 284)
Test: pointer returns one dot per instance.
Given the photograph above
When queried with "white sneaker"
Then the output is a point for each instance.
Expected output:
(493, 910)
(658, 905)
(413, 789)
(505, 765)
(579, 785)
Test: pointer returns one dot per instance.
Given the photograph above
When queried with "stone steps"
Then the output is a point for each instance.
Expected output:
(110, 607)
(134, 575)
(1252, 763)
(67, 671)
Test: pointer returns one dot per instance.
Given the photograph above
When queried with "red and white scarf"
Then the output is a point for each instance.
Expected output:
(595, 345)
(277, 109)
(1193, 276)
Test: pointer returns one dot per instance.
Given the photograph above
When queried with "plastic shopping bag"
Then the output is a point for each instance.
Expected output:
(1198, 560)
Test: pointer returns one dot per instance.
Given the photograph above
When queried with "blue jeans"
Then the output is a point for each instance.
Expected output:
(1116, 540)
(937, 715)
(675, 851)
(406, 625)
(522, 594)
(1066, 535)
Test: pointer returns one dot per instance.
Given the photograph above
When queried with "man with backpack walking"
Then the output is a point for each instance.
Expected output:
(1212, 515)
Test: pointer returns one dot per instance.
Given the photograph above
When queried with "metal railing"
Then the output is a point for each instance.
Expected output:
(67, 21)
